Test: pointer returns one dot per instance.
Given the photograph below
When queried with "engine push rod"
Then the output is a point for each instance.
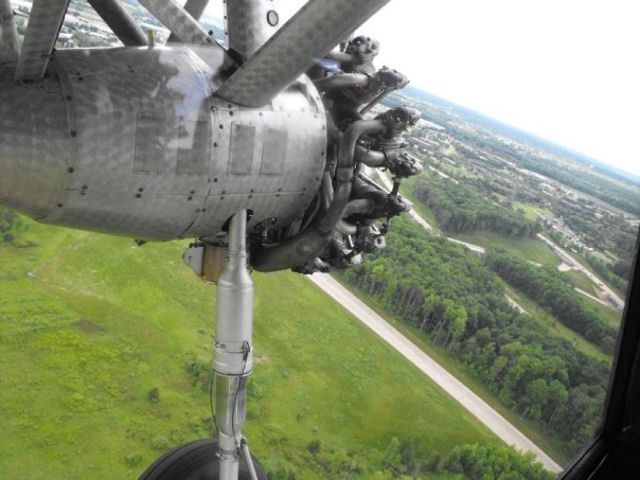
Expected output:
(233, 351)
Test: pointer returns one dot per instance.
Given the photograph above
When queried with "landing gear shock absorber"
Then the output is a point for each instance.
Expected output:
(225, 457)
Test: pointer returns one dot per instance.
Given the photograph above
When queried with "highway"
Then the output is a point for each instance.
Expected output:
(454, 387)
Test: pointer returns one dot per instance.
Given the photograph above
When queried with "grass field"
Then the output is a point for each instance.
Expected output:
(91, 324)
(580, 280)
(583, 261)
(406, 190)
(556, 327)
(530, 211)
(467, 376)
(612, 317)
(530, 249)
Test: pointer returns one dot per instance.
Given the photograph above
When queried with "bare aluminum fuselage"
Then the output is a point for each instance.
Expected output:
(132, 141)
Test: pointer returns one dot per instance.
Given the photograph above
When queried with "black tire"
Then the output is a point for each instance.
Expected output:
(194, 461)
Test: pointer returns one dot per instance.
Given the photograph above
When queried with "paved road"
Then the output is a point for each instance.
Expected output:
(454, 387)
(593, 297)
(470, 246)
(616, 301)
(515, 305)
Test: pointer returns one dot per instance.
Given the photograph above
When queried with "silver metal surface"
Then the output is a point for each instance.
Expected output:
(247, 25)
(195, 8)
(312, 32)
(9, 45)
(230, 408)
(234, 306)
(44, 24)
(130, 141)
(249, 460)
(35, 144)
(233, 358)
(121, 23)
(194, 258)
(179, 22)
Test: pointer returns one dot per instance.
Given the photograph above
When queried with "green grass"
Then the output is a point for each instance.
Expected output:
(583, 261)
(530, 211)
(580, 280)
(465, 374)
(459, 173)
(530, 249)
(612, 317)
(89, 324)
(556, 327)
(406, 190)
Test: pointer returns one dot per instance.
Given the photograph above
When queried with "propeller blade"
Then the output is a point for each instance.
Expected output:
(9, 46)
(179, 22)
(120, 22)
(195, 8)
(310, 33)
(42, 32)
(249, 24)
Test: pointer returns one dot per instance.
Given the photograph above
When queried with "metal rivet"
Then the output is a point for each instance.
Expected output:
(273, 18)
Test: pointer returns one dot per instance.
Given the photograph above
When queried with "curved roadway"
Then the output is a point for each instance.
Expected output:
(454, 387)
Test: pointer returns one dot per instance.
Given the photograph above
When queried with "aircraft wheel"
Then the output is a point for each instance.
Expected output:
(194, 461)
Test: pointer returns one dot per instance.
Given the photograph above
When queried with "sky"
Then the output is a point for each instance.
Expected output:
(566, 70)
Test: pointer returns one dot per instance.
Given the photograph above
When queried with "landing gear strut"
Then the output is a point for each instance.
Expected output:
(227, 456)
